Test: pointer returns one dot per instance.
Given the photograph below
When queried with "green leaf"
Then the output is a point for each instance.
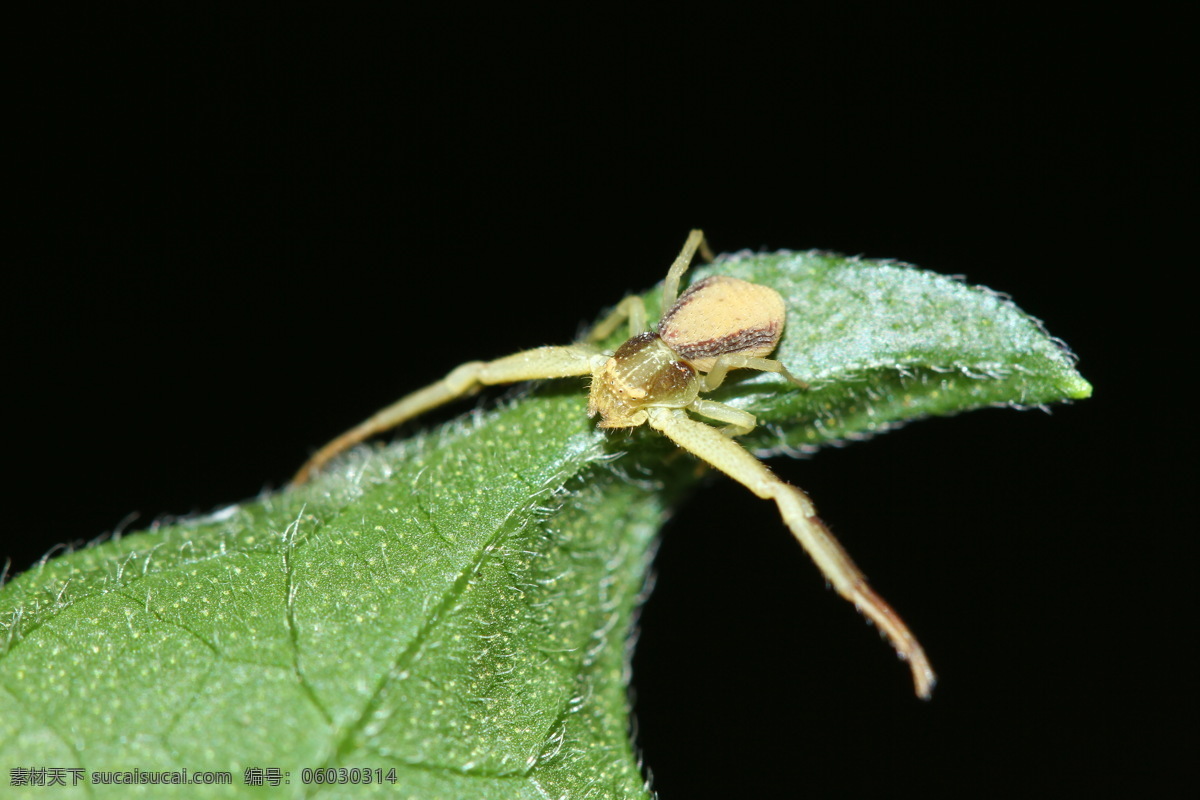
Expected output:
(456, 606)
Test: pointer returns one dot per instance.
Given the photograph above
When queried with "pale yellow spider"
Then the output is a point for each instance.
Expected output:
(656, 378)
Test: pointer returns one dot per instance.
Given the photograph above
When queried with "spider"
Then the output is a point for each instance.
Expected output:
(656, 378)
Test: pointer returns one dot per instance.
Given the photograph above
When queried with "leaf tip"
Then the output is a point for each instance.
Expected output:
(1077, 388)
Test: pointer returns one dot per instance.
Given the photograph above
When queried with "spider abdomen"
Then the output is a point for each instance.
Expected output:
(721, 315)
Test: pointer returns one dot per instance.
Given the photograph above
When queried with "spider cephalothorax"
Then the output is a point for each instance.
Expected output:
(642, 373)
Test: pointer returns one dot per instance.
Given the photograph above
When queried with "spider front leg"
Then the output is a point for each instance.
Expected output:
(541, 362)
(798, 513)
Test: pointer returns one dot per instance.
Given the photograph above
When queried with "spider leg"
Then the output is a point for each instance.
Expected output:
(542, 362)
(631, 308)
(798, 513)
(727, 361)
(737, 422)
(695, 241)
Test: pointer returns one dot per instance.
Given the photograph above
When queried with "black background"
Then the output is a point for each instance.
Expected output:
(238, 235)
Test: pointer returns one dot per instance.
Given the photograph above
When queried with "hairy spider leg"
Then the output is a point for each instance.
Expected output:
(695, 241)
(798, 513)
(542, 362)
